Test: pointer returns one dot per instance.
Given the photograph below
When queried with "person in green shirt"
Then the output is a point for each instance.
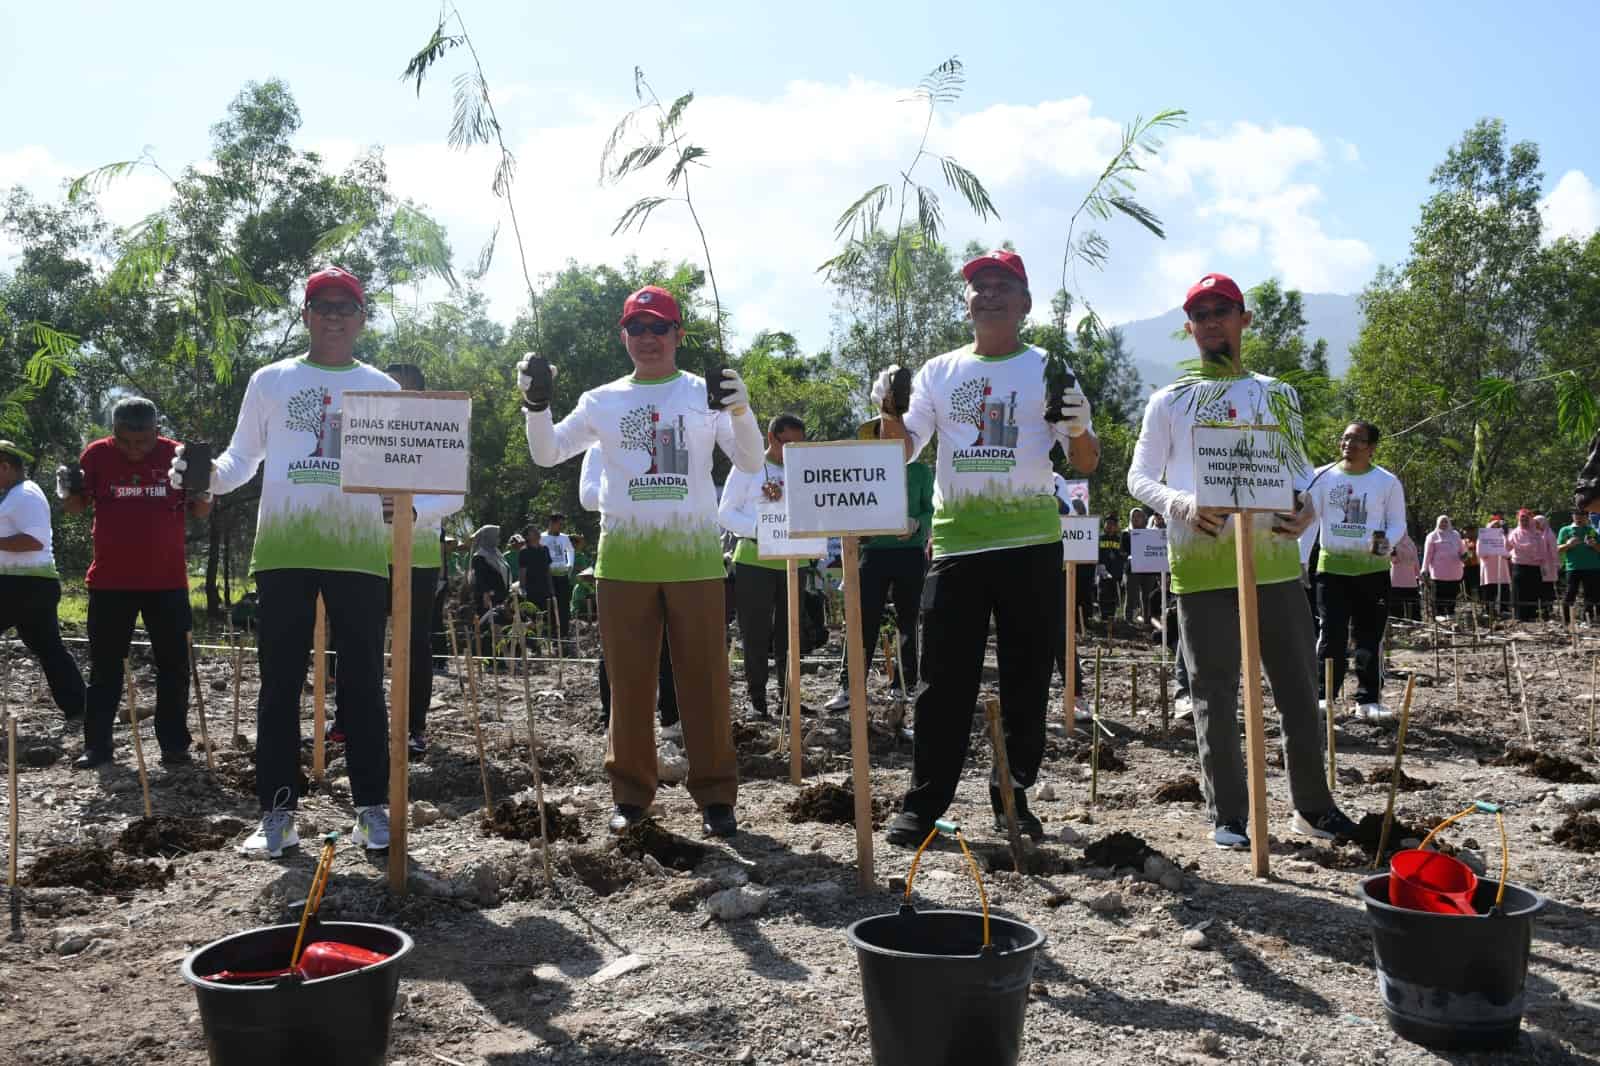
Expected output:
(894, 565)
(1578, 546)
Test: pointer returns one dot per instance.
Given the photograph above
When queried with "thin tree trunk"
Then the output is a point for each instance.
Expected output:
(213, 544)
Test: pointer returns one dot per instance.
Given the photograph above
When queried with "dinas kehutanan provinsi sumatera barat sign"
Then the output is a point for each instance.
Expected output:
(406, 441)
(848, 488)
(1243, 468)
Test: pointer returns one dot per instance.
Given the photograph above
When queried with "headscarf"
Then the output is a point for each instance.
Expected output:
(1443, 524)
(486, 545)
(1540, 523)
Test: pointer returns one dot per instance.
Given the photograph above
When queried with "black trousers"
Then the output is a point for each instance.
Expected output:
(167, 617)
(1527, 583)
(1109, 592)
(30, 604)
(424, 579)
(1353, 604)
(1589, 582)
(286, 619)
(666, 689)
(1020, 588)
(1405, 603)
(886, 572)
(1444, 597)
(762, 602)
(1059, 651)
(561, 585)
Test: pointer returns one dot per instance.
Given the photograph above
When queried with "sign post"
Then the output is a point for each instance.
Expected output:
(319, 690)
(849, 489)
(1148, 555)
(399, 444)
(1243, 470)
(1080, 543)
(773, 542)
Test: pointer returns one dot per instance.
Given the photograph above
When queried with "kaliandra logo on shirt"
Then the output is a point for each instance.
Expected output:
(994, 449)
(1352, 511)
(311, 411)
(667, 448)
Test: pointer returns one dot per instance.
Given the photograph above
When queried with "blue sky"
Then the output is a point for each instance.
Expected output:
(1309, 143)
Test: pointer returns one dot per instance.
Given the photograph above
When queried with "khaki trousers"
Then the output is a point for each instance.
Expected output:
(632, 614)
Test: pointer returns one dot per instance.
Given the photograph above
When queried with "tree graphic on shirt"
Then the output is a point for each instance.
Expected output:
(638, 430)
(305, 414)
(966, 403)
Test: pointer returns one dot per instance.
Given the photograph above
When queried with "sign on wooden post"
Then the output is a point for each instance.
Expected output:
(1080, 543)
(773, 542)
(1148, 551)
(850, 489)
(1491, 543)
(403, 443)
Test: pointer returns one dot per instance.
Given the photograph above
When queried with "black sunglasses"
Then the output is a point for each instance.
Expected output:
(1201, 316)
(334, 308)
(656, 326)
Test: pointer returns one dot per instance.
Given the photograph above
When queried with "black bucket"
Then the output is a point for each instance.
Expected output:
(334, 1021)
(1453, 981)
(935, 995)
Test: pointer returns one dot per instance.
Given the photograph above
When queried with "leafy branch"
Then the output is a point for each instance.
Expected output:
(1577, 413)
(53, 353)
(474, 122)
(855, 226)
(1111, 194)
(617, 162)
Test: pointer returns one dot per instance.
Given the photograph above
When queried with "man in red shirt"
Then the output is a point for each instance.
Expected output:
(138, 570)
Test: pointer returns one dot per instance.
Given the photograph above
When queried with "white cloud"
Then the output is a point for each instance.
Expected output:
(1239, 241)
(1572, 209)
(1301, 253)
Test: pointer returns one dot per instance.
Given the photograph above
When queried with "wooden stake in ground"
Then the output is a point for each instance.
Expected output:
(400, 695)
(1505, 659)
(11, 815)
(561, 651)
(477, 726)
(494, 675)
(455, 652)
(237, 639)
(1437, 673)
(199, 700)
(1002, 771)
(133, 725)
(1455, 666)
(1522, 689)
(1094, 730)
(1165, 709)
(861, 771)
(1394, 777)
(533, 760)
(1329, 702)
(1133, 700)
(796, 752)
(1069, 672)
(1254, 726)
(319, 691)
(1594, 691)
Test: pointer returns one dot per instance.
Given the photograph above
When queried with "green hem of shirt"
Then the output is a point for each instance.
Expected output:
(636, 380)
(354, 364)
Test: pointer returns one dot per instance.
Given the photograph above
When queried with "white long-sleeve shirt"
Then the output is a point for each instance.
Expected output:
(1350, 509)
(589, 476)
(738, 512)
(290, 425)
(1162, 473)
(658, 505)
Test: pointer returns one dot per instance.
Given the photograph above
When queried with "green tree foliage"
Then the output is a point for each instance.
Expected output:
(877, 324)
(1476, 358)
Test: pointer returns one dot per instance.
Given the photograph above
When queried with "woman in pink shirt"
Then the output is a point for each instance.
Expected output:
(1403, 599)
(1526, 547)
(1547, 569)
(1443, 560)
(1494, 574)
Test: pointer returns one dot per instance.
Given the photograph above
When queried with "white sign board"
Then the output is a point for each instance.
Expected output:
(1080, 538)
(405, 442)
(772, 536)
(1240, 468)
(846, 488)
(1491, 543)
(1147, 549)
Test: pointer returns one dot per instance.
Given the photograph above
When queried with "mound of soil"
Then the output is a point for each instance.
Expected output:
(1407, 782)
(646, 837)
(1370, 829)
(557, 765)
(520, 821)
(766, 766)
(238, 774)
(1546, 765)
(604, 872)
(96, 869)
(1119, 849)
(1183, 789)
(1037, 861)
(167, 836)
(1580, 832)
(832, 804)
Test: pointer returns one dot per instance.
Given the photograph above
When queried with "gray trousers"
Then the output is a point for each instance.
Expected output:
(1140, 588)
(1208, 625)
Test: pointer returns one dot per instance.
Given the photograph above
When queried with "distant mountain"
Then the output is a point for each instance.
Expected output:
(1333, 317)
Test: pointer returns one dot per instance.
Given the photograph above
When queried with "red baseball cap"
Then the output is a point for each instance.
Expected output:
(654, 301)
(1216, 284)
(337, 278)
(999, 259)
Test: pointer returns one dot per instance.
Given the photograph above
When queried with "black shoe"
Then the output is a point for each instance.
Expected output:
(602, 724)
(91, 758)
(417, 745)
(624, 816)
(719, 821)
(1028, 823)
(176, 757)
(1331, 824)
(758, 713)
(908, 830)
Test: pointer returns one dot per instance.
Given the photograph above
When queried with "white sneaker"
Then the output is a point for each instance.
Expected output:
(1182, 707)
(276, 832)
(1081, 712)
(1230, 836)
(1374, 712)
(672, 732)
(372, 827)
(1322, 706)
(840, 701)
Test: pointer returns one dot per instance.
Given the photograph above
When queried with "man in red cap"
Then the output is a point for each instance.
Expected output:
(998, 407)
(1202, 552)
(311, 539)
(660, 557)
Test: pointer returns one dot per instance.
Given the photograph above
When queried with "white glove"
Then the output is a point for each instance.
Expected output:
(881, 385)
(516, 588)
(1075, 412)
(1181, 507)
(178, 466)
(735, 394)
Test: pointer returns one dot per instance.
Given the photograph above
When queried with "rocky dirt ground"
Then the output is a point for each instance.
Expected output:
(736, 951)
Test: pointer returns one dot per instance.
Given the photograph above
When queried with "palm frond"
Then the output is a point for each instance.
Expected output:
(971, 189)
(505, 172)
(485, 255)
(675, 112)
(849, 259)
(333, 239)
(145, 254)
(865, 211)
(690, 154)
(426, 243)
(438, 44)
(100, 177)
(636, 159)
(51, 343)
(472, 122)
(638, 213)
(1139, 213)
(943, 84)
(1577, 414)
(929, 216)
